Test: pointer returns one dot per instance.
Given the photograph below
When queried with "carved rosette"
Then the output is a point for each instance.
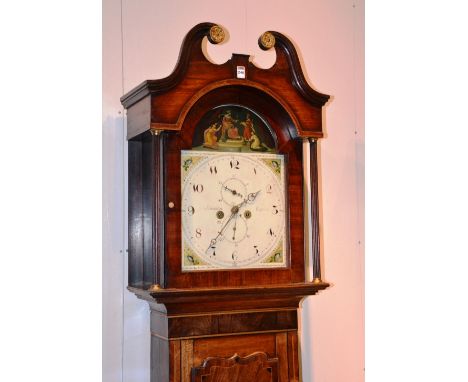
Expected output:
(216, 35)
(266, 41)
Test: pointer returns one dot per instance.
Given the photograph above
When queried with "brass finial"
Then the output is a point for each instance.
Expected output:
(266, 41)
(216, 35)
(316, 280)
(155, 131)
(154, 288)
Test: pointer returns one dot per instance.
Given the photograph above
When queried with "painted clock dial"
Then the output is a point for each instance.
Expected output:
(233, 210)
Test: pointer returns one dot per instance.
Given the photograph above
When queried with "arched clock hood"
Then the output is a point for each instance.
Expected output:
(193, 77)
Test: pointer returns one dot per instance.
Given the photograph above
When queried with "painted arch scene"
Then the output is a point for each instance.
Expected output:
(233, 128)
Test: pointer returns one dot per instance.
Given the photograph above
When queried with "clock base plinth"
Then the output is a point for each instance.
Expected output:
(252, 331)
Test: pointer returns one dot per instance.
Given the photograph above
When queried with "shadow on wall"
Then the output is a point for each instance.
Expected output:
(125, 319)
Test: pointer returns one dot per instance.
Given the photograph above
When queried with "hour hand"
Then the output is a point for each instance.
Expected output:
(232, 191)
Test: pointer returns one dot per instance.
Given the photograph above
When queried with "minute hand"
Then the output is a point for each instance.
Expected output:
(250, 198)
(234, 212)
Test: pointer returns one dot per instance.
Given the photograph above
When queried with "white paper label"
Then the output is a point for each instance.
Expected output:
(241, 72)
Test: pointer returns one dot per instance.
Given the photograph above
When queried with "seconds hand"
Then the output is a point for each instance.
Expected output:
(234, 229)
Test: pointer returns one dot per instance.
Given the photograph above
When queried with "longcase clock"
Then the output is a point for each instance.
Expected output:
(217, 233)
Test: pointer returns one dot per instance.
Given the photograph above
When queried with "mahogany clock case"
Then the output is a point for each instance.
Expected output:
(219, 325)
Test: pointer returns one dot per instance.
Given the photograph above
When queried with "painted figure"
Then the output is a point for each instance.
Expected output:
(233, 133)
(210, 139)
(256, 144)
(227, 124)
(248, 129)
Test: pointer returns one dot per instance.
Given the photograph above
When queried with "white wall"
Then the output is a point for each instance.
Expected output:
(141, 41)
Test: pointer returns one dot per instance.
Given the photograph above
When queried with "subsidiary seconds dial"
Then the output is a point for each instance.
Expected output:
(233, 211)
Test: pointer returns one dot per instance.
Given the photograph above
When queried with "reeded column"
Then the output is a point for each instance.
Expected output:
(158, 208)
(314, 210)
